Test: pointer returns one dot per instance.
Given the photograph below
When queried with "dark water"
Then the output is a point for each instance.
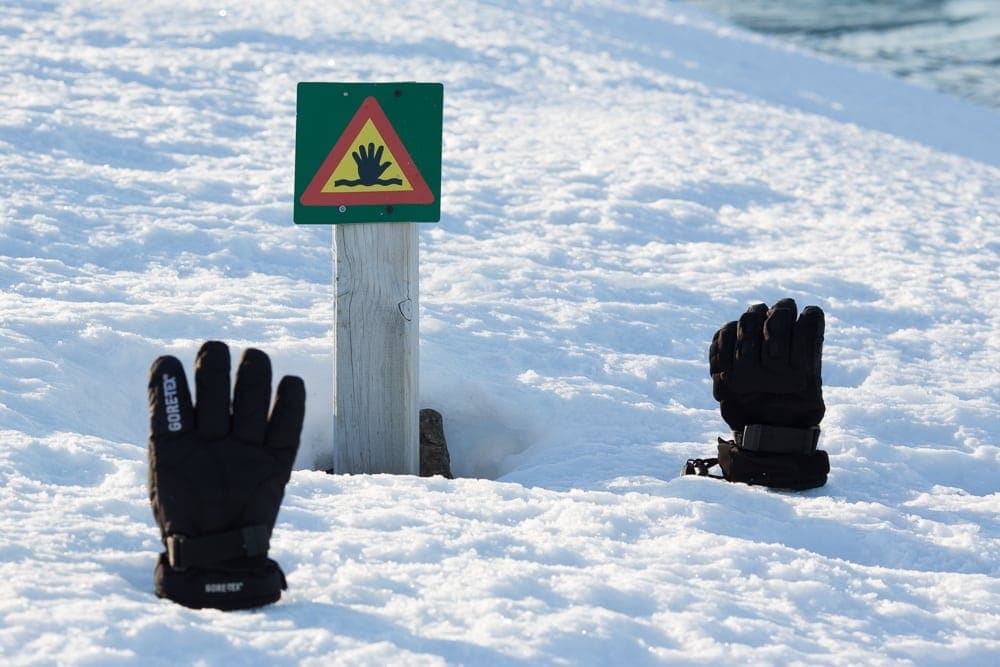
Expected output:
(950, 45)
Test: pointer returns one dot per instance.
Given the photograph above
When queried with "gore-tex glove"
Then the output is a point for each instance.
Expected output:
(766, 375)
(216, 478)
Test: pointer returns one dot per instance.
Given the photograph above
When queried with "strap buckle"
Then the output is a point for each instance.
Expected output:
(698, 467)
(175, 552)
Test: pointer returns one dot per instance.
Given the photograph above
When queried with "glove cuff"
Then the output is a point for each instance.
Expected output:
(239, 584)
(777, 439)
(779, 471)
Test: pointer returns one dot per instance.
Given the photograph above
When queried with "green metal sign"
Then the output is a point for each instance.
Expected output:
(368, 152)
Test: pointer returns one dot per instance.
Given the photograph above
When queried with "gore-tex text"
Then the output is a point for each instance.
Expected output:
(170, 402)
(225, 587)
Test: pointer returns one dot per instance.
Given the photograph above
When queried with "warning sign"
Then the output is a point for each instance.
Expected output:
(368, 163)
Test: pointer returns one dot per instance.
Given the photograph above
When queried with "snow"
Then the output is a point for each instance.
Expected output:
(619, 181)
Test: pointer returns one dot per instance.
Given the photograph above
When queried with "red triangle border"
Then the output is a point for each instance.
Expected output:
(369, 109)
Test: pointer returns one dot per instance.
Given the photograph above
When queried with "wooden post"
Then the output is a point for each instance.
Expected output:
(376, 338)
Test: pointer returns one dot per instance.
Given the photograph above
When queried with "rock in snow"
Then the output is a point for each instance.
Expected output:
(434, 457)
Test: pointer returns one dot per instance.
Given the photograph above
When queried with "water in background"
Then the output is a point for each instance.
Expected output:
(951, 45)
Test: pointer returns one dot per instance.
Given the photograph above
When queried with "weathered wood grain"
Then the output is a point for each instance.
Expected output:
(376, 355)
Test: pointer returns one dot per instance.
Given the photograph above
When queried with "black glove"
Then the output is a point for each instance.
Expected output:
(216, 479)
(766, 375)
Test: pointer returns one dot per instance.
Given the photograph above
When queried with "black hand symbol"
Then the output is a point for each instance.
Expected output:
(370, 168)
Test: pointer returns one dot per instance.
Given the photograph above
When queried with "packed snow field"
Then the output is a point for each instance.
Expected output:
(618, 182)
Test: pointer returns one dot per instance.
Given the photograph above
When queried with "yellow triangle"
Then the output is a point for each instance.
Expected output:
(345, 176)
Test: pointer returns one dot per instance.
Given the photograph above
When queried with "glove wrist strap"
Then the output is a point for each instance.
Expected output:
(184, 552)
(777, 439)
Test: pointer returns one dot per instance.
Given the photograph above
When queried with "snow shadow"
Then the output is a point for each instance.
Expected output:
(88, 144)
(487, 425)
(876, 536)
(531, 405)
(366, 628)
(716, 194)
(48, 465)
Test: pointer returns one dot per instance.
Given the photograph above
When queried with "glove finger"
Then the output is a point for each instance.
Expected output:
(749, 337)
(807, 341)
(720, 357)
(211, 378)
(777, 345)
(252, 397)
(170, 410)
(285, 427)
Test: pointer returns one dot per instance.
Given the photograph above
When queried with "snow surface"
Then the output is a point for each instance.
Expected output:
(619, 180)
